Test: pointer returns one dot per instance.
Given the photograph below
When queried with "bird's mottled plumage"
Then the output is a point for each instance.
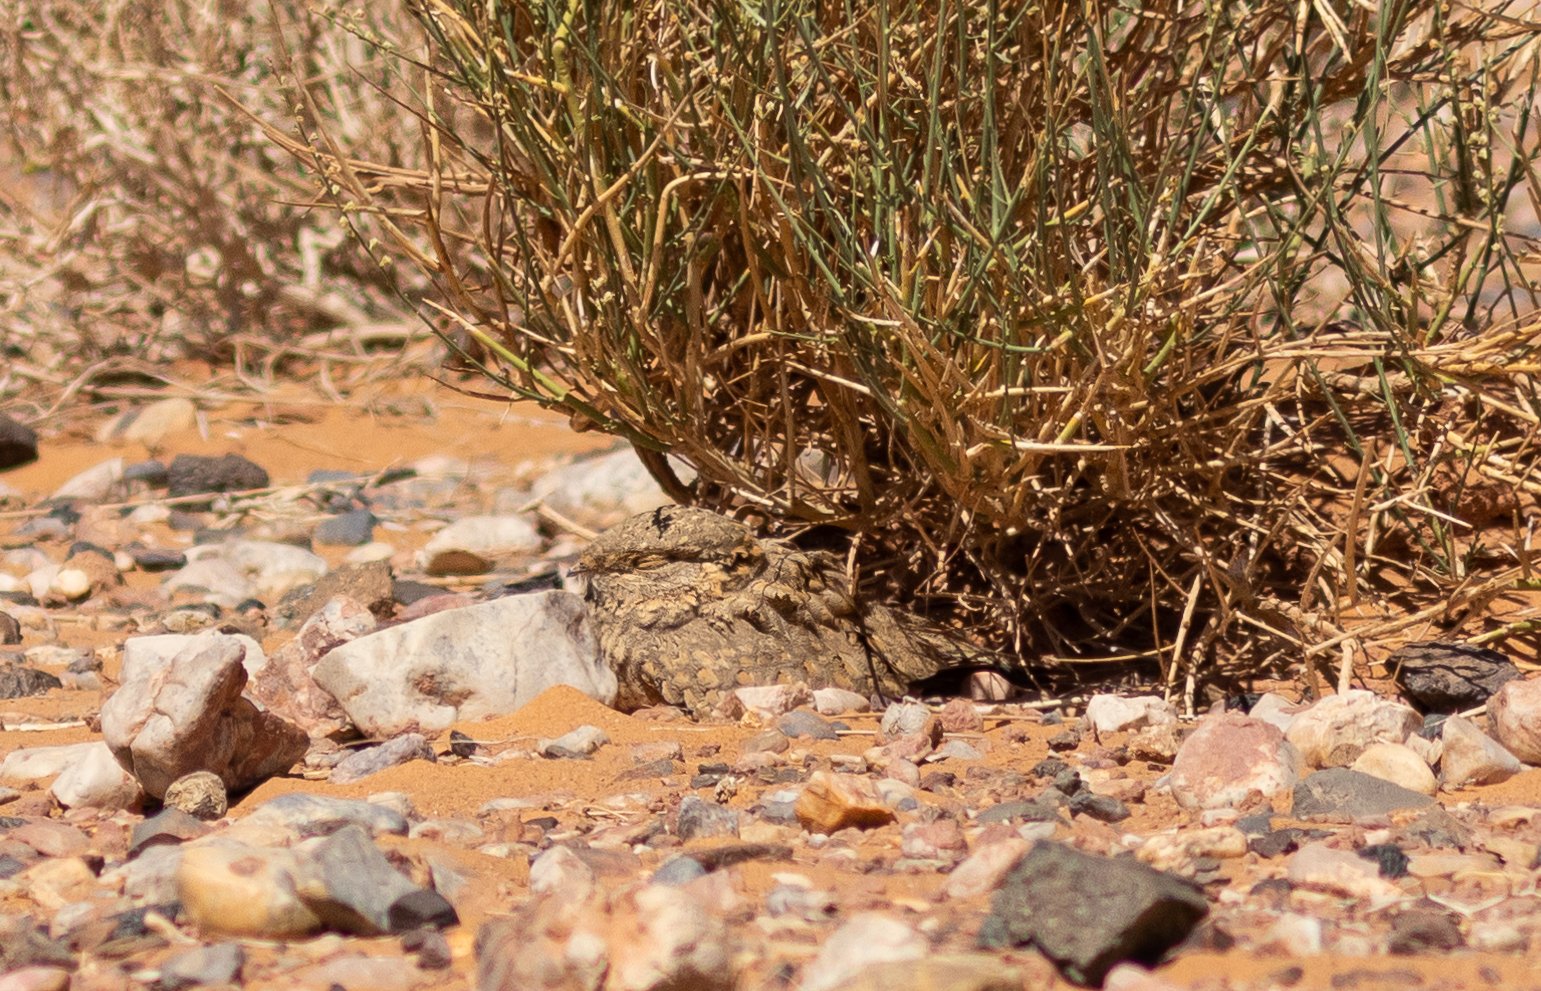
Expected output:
(689, 604)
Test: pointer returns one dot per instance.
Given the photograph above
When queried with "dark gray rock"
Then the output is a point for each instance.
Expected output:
(166, 828)
(197, 474)
(18, 443)
(1449, 677)
(155, 559)
(220, 963)
(10, 630)
(350, 529)
(371, 760)
(678, 871)
(699, 818)
(19, 682)
(1103, 808)
(802, 723)
(1088, 913)
(352, 887)
(1344, 795)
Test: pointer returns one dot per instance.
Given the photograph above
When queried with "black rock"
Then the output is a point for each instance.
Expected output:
(19, 682)
(461, 745)
(18, 443)
(197, 474)
(10, 630)
(1449, 677)
(1345, 795)
(699, 818)
(1388, 857)
(419, 909)
(1049, 767)
(1103, 808)
(1088, 913)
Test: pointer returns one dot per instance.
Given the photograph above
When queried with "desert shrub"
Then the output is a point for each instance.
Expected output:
(143, 216)
(1113, 331)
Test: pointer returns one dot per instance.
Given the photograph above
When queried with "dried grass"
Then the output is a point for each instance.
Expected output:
(145, 218)
(1114, 332)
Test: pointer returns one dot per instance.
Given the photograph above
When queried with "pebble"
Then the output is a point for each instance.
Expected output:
(839, 702)
(866, 940)
(354, 528)
(372, 760)
(197, 474)
(1469, 756)
(320, 814)
(832, 802)
(1449, 677)
(1337, 729)
(200, 794)
(1514, 715)
(768, 702)
(17, 681)
(96, 780)
(580, 742)
(1398, 764)
(471, 545)
(352, 887)
(1231, 761)
(1140, 912)
(232, 889)
(802, 724)
(1343, 795)
(18, 443)
(469, 663)
(219, 963)
(1117, 714)
(1325, 868)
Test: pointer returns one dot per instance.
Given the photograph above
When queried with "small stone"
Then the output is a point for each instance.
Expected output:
(1343, 795)
(1388, 858)
(867, 940)
(1514, 716)
(1336, 730)
(71, 584)
(1231, 760)
(1115, 714)
(200, 794)
(96, 780)
(1469, 756)
(580, 742)
(167, 827)
(831, 802)
(1156, 744)
(321, 815)
(839, 701)
(700, 819)
(470, 663)
(353, 528)
(940, 840)
(18, 443)
(983, 869)
(664, 938)
(1088, 913)
(30, 765)
(1449, 677)
(802, 724)
(196, 474)
(960, 716)
(392, 753)
(238, 890)
(352, 887)
(368, 585)
(10, 630)
(902, 719)
(770, 741)
(36, 978)
(766, 701)
(285, 686)
(473, 544)
(21, 682)
(220, 963)
(1319, 866)
(51, 839)
(1398, 764)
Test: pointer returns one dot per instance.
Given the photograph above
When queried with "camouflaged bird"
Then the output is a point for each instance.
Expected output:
(689, 604)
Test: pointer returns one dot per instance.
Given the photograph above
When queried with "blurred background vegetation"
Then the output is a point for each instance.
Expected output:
(1194, 334)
